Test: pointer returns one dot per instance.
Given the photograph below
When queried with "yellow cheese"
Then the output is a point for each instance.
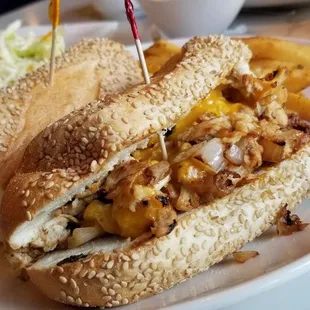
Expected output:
(192, 169)
(214, 103)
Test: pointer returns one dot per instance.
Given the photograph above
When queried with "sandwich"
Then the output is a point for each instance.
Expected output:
(98, 218)
(87, 71)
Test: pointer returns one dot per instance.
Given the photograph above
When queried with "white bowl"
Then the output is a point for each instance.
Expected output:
(184, 18)
(115, 9)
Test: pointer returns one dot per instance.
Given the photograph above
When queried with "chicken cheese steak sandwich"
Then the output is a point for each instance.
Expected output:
(99, 219)
(87, 71)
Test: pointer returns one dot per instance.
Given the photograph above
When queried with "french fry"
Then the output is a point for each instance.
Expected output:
(298, 76)
(277, 49)
(159, 53)
(299, 104)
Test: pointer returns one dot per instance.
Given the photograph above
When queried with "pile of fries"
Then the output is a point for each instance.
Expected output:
(269, 55)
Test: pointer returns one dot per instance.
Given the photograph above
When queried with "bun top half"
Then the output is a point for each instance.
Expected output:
(87, 71)
(84, 146)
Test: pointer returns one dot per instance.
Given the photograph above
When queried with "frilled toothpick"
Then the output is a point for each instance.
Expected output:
(131, 18)
(54, 16)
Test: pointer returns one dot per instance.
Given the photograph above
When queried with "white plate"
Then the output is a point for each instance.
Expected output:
(266, 3)
(281, 259)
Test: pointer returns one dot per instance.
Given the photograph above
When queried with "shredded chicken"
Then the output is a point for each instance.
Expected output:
(252, 151)
(295, 122)
(288, 223)
(187, 200)
(52, 233)
(207, 129)
(291, 138)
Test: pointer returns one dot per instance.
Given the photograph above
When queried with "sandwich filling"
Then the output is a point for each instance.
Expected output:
(228, 139)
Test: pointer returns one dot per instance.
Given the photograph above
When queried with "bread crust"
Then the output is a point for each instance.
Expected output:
(202, 238)
(87, 71)
(77, 150)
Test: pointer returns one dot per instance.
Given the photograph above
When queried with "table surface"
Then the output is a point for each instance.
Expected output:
(294, 22)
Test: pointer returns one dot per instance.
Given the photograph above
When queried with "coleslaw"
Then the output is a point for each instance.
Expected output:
(22, 54)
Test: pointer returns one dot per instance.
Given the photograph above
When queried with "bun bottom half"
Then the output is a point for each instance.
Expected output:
(112, 272)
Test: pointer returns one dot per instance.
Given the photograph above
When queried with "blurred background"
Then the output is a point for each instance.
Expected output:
(167, 18)
(11, 5)
(172, 18)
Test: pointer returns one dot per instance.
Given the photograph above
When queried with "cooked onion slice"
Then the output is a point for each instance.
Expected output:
(211, 153)
(83, 235)
(272, 152)
(243, 256)
(289, 223)
(234, 154)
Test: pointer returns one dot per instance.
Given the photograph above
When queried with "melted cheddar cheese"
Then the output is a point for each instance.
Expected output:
(192, 169)
(214, 103)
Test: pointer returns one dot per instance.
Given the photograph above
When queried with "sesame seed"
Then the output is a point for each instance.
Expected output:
(29, 216)
(79, 301)
(69, 128)
(68, 184)
(110, 277)
(92, 129)
(113, 148)
(106, 298)
(104, 281)
(33, 184)
(85, 140)
(110, 264)
(63, 295)
(24, 203)
(49, 185)
(73, 283)
(63, 279)
(27, 193)
(100, 274)
(125, 266)
(169, 253)
(115, 302)
(93, 165)
(83, 273)
(49, 195)
(60, 269)
(91, 274)
(116, 286)
(111, 292)
(135, 256)
(70, 299)
(104, 290)
(126, 258)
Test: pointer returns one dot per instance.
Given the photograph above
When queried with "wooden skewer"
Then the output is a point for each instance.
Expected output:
(53, 12)
(52, 60)
(131, 18)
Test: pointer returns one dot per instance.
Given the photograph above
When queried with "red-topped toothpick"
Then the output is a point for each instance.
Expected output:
(131, 18)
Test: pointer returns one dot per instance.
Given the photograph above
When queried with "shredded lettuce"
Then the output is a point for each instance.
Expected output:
(22, 54)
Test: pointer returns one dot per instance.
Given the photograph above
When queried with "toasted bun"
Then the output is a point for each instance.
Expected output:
(85, 145)
(115, 273)
(87, 71)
